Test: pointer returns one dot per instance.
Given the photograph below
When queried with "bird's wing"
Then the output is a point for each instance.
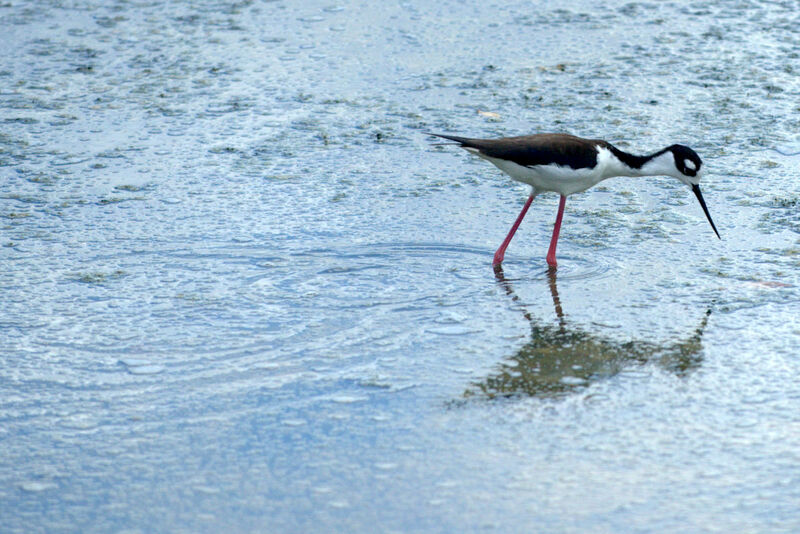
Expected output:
(539, 149)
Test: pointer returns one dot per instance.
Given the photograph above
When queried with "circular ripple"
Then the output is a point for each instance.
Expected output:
(570, 268)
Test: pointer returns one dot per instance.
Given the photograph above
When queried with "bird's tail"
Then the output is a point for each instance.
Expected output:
(460, 141)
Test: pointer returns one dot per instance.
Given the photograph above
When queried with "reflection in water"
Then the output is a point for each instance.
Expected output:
(560, 359)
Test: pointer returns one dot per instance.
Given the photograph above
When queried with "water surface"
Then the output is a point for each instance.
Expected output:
(243, 291)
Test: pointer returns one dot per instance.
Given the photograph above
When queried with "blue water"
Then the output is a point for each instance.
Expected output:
(243, 291)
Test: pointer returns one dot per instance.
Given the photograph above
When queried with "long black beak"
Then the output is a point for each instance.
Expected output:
(699, 195)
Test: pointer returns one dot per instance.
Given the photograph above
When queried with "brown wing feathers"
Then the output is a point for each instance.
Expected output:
(540, 149)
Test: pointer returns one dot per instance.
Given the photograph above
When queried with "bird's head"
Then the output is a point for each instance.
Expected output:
(688, 165)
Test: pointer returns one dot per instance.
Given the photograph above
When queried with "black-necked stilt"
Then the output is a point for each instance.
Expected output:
(566, 164)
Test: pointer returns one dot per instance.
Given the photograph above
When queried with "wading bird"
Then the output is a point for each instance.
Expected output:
(566, 164)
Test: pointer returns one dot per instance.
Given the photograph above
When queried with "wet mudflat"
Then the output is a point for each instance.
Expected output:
(242, 290)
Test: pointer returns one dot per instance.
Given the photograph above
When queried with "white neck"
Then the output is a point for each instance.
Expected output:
(661, 165)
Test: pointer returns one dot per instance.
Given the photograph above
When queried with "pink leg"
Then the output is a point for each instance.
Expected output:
(551, 254)
(501, 252)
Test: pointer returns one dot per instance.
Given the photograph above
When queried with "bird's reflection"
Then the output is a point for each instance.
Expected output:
(560, 359)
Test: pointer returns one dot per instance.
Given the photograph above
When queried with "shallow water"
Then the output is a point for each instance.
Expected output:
(242, 290)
